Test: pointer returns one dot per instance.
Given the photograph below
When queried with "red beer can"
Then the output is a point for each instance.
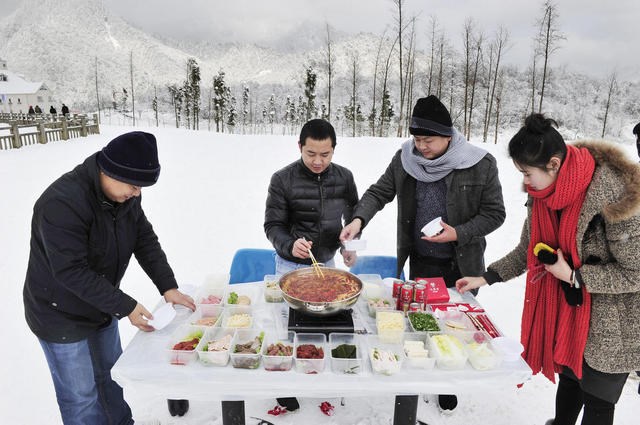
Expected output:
(420, 293)
(397, 284)
(399, 304)
(415, 307)
(406, 293)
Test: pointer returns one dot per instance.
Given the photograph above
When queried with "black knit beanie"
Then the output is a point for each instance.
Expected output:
(131, 158)
(430, 118)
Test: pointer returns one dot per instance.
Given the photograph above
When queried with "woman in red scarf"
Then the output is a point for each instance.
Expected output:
(580, 313)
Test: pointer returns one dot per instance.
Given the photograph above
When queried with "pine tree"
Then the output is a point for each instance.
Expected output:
(245, 106)
(221, 93)
(232, 114)
(310, 93)
(193, 73)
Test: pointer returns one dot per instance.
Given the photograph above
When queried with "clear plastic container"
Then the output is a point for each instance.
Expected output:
(272, 291)
(482, 356)
(210, 295)
(237, 317)
(423, 321)
(376, 304)
(349, 366)
(306, 365)
(386, 359)
(217, 357)
(278, 362)
(372, 286)
(247, 360)
(244, 295)
(416, 350)
(390, 326)
(448, 350)
(183, 334)
(207, 315)
(458, 324)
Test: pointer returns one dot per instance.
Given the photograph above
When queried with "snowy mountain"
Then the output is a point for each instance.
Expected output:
(60, 41)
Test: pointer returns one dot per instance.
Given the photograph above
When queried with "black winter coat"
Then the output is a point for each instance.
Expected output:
(301, 203)
(81, 244)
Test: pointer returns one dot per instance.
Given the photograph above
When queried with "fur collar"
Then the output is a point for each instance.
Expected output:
(619, 179)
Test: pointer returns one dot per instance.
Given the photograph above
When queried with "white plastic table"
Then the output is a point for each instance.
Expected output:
(144, 366)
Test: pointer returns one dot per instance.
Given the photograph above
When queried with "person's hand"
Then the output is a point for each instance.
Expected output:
(174, 296)
(465, 284)
(351, 230)
(301, 248)
(349, 257)
(139, 318)
(560, 269)
(448, 234)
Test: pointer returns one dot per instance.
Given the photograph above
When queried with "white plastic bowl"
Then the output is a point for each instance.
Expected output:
(433, 227)
(163, 316)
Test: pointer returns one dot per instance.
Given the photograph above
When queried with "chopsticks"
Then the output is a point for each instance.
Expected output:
(315, 265)
(482, 322)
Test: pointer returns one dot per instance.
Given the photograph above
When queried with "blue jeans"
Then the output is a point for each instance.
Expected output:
(81, 373)
(283, 266)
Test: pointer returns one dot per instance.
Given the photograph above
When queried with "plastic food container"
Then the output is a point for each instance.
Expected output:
(237, 317)
(457, 323)
(278, 362)
(379, 304)
(208, 316)
(183, 334)
(215, 336)
(508, 348)
(240, 295)
(272, 291)
(386, 359)
(482, 357)
(342, 365)
(209, 295)
(416, 350)
(448, 350)
(390, 326)
(372, 286)
(422, 321)
(255, 337)
(305, 365)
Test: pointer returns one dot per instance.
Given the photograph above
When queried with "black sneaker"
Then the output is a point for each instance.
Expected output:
(447, 402)
(178, 407)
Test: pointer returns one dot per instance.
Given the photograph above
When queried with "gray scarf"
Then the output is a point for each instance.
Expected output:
(459, 155)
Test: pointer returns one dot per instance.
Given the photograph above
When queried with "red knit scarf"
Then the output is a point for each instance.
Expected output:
(554, 334)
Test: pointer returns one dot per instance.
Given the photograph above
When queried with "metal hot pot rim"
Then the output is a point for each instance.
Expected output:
(319, 308)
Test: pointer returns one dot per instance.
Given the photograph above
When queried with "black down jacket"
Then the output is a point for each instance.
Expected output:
(81, 244)
(304, 204)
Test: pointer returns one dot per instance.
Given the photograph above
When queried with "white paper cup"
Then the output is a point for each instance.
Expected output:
(433, 227)
(355, 245)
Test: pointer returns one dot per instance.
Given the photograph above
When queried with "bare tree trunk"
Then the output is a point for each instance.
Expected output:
(434, 24)
(97, 92)
(485, 121)
(441, 71)
(372, 117)
(133, 98)
(501, 40)
(549, 36)
(329, 69)
(410, 66)
(467, 36)
(354, 84)
(474, 82)
(498, 101)
(400, 23)
(612, 88)
(384, 87)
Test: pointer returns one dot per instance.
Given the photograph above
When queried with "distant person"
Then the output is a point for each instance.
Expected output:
(306, 205)
(581, 301)
(31, 110)
(37, 109)
(52, 110)
(85, 228)
(435, 174)
(636, 131)
(65, 110)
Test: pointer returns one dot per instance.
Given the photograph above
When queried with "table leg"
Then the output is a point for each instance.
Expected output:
(406, 410)
(233, 412)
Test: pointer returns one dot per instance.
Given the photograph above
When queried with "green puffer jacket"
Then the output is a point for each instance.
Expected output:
(609, 248)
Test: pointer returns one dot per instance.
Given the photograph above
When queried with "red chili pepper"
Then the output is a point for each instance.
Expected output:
(327, 408)
(276, 411)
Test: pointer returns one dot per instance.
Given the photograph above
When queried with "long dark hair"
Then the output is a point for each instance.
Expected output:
(536, 142)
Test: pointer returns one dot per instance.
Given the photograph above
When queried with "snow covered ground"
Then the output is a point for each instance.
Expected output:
(209, 202)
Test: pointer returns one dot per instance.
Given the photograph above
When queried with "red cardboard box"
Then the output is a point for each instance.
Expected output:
(436, 289)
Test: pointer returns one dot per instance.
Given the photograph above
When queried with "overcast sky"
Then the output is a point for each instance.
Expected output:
(600, 35)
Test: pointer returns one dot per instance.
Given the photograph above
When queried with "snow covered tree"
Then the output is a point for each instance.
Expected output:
(245, 107)
(232, 114)
(154, 104)
(175, 94)
(548, 38)
(193, 83)
(310, 93)
(220, 99)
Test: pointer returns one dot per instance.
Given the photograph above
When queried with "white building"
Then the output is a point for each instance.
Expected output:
(17, 94)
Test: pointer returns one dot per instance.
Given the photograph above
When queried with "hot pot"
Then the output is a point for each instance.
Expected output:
(322, 308)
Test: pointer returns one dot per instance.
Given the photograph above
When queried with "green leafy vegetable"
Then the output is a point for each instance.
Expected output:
(233, 298)
(344, 351)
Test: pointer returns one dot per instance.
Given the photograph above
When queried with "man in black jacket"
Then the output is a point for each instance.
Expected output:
(84, 230)
(307, 201)
(437, 175)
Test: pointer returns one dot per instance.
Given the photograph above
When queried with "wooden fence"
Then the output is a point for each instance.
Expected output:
(43, 128)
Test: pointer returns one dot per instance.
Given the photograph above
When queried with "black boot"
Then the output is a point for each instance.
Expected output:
(447, 402)
(178, 407)
(290, 403)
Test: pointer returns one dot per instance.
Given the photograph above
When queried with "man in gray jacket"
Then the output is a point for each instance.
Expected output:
(437, 174)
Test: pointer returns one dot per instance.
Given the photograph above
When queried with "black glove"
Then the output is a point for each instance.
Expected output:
(548, 255)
